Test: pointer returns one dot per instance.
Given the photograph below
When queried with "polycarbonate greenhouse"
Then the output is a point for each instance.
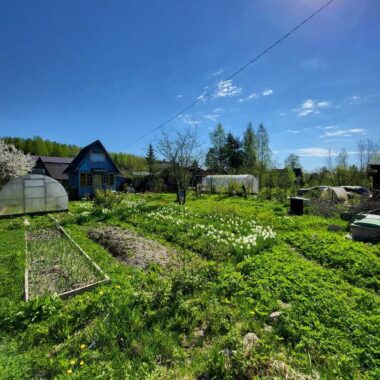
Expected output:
(32, 193)
(230, 183)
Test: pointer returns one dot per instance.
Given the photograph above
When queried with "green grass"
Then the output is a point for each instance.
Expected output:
(12, 261)
(189, 321)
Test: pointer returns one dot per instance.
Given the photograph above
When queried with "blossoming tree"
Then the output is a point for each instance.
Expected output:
(13, 162)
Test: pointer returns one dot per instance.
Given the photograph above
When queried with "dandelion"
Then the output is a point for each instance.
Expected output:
(81, 362)
(117, 286)
(101, 293)
(73, 361)
(82, 346)
(69, 371)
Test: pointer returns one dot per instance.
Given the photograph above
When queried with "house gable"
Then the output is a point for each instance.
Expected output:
(93, 157)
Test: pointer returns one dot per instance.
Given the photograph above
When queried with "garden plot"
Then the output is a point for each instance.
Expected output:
(131, 248)
(56, 264)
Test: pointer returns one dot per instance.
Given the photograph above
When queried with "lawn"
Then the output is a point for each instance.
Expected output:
(251, 293)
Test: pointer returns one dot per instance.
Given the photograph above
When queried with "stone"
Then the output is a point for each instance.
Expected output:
(275, 315)
(249, 341)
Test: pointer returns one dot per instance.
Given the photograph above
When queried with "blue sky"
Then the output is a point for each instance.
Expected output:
(75, 71)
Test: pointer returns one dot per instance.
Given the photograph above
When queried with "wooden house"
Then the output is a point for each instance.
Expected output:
(92, 169)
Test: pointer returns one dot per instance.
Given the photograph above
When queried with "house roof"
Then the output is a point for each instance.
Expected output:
(81, 155)
(54, 160)
(55, 166)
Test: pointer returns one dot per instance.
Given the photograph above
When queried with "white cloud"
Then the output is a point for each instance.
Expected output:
(304, 113)
(314, 152)
(267, 92)
(188, 119)
(212, 117)
(218, 110)
(330, 127)
(293, 131)
(217, 72)
(226, 88)
(179, 96)
(249, 97)
(344, 132)
(323, 104)
(310, 106)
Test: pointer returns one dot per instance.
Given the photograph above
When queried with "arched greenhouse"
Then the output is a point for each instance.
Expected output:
(231, 183)
(32, 193)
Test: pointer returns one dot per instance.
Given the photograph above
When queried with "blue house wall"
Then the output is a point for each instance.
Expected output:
(89, 161)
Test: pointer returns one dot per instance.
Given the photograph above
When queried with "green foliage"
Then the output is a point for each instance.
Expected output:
(40, 147)
(191, 320)
(358, 263)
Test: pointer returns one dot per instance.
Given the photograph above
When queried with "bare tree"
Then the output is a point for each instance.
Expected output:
(372, 151)
(329, 161)
(362, 148)
(180, 151)
(342, 159)
(13, 162)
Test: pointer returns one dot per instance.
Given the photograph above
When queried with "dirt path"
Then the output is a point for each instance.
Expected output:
(131, 248)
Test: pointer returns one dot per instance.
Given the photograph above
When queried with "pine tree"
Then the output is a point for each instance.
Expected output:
(215, 159)
(249, 149)
(150, 159)
(233, 153)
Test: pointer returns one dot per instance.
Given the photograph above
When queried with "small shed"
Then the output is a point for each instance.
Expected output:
(222, 183)
(374, 172)
(31, 194)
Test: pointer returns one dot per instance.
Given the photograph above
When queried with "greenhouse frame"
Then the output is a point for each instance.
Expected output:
(32, 194)
(231, 183)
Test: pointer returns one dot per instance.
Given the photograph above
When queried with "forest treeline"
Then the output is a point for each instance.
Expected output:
(38, 146)
(251, 154)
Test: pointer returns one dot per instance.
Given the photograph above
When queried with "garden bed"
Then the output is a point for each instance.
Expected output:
(56, 264)
(131, 248)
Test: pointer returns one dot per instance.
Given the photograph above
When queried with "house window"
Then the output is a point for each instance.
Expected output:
(109, 179)
(98, 157)
(85, 179)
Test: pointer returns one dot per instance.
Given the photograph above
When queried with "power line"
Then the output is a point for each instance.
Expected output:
(237, 72)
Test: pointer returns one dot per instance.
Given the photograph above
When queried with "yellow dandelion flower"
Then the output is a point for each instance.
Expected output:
(82, 346)
(81, 362)
(117, 286)
(101, 293)
(72, 361)
(70, 371)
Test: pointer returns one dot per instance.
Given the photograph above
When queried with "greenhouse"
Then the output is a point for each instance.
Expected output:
(231, 184)
(32, 193)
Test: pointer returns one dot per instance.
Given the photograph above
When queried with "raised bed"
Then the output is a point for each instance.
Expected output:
(56, 264)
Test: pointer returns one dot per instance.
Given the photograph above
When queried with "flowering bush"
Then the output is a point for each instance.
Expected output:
(213, 235)
(233, 236)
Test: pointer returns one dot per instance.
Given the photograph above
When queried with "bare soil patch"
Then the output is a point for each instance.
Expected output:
(131, 248)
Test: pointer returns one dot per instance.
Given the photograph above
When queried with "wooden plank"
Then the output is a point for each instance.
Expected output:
(77, 246)
(26, 286)
(71, 292)
(82, 289)
(83, 252)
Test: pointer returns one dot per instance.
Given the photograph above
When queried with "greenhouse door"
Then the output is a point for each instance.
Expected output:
(34, 195)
